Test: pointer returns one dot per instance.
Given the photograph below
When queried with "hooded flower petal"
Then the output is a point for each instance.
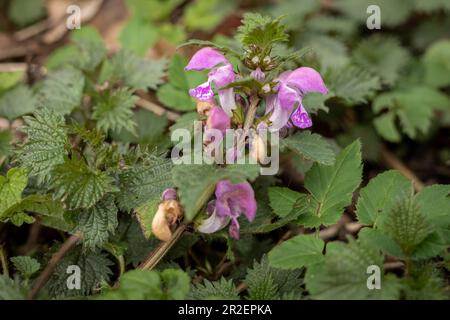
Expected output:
(214, 222)
(234, 199)
(306, 80)
(206, 58)
(234, 229)
(301, 118)
(203, 92)
(169, 194)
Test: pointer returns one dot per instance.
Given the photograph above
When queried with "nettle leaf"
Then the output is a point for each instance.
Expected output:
(144, 182)
(314, 101)
(343, 274)
(394, 12)
(206, 14)
(310, 146)
(196, 182)
(261, 31)
(282, 200)
(436, 61)
(432, 5)
(414, 106)
(267, 283)
(175, 93)
(136, 72)
(114, 111)
(380, 195)
(98, 222)
(78, 185)
(353, 84)
(94, 270)
(17, 102)
(5, 143)
(152, 10)
(91, 48)
(329, 51)
(297, 252)
(27, 266)
(407, 225)
(435, 204)
(150, 285)
(11, 289)
(424, 283)
(145, 214)
(10, 79)
(331, 188)
(384, 57)
(220, 289)
(62, 91)
(45, 144)
(138, 36)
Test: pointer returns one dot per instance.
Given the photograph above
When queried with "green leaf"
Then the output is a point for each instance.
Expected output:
(353, 84)
(10, 79)
(114, 111)
(17, 102)
(343, 274)
(425, 283)
(145, 214)
(282, 200)
(79, 185)
(436, 61)
(205, 15)
(23, 12)
(379, 196)
(310, 146)
(386, 128)
(196, 183)
(27, 266)
(220, 289)
(138, 36)
(314, 101)
(94, 270)
(62, 91)
(435, 204)
(11, 289)
(171, 284)
(267, 283)
(152, 10)
(91, 48)
(300, 251)
(98, 222)
(142, 183)
(414, 106)
(329, 51)
(5, 143)
(11, 188)
(45, 146)
(332, 187)
(136, 72)
(384, 57)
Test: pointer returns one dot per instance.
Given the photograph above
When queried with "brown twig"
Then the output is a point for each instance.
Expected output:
(157, 109)
(393, 162)
(4, 261)
(13, 67)
(47, 272)
(160, 251)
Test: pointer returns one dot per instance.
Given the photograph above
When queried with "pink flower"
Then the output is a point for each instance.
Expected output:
(218, 119)
(292, 85)
(221, 74)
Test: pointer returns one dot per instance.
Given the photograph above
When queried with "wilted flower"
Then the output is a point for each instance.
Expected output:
(221, 74)
(168, 213)
(292, 85)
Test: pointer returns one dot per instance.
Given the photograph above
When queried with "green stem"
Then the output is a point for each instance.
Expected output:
(251, 112)
(4, 261)
(121, 261)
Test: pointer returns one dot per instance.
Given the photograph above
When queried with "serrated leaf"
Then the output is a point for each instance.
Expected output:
(98, 222)
(17, 102)
(330, 52)
(282, 200)
(310, 146)
(10, 79)
(144, 182)
(385, 126)
(150, 285)
(94, 270)
(300, 251)
(78, 185)
(145, 214)
(220, 289)
(91, 47)
(11, 289)
(27, 266)
(384, 57)
(61, 91)
(11, 188)
(136, 72)
(377, 198)
(205, 15)
(114, 111)
(138, 36)
(45, 145)
(353, 84)
(331, 187)
(5, 143)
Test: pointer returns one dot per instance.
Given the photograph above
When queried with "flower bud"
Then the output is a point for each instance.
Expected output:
(203, 107)
(255, 60)
(167, 215)
(258, 148)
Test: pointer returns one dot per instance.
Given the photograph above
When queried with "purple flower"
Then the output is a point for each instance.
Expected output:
(218, 119)
(292, 85)
(213, 223)
(258, 75)
(232, 200)
(221, 74)
(169, 194)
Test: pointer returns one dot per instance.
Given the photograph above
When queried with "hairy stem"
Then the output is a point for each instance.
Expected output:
(251, 112)
(47, 272)
(4, 261)
(160, 251)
